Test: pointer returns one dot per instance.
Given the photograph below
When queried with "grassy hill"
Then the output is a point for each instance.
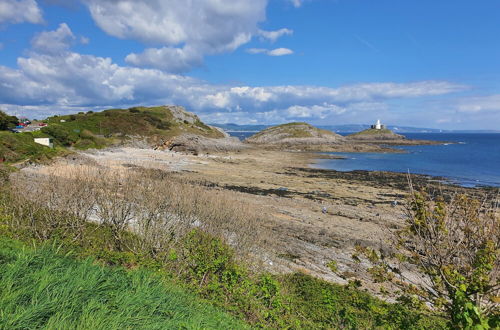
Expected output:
(101, 129)
(98, 129)
(41, 289)
(21, 146)
(375, 134)
(293, 133)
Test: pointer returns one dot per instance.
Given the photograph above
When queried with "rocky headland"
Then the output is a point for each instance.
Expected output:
(386, 137)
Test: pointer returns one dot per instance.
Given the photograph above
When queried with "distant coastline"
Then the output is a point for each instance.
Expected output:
(344, 129)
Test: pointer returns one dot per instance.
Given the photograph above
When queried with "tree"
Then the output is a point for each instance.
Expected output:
(7, 121)
(455, 244)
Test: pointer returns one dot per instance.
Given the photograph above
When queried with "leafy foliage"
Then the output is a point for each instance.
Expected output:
(7, 121)
(457, 245)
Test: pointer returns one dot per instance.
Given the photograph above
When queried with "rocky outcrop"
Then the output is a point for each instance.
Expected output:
(181, 115)
(375, 135)
(195, 144)
(295, 134)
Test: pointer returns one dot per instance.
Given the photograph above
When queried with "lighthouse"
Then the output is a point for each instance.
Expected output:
(378, 125)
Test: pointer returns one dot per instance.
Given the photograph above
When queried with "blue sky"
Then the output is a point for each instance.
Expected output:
(414, 63)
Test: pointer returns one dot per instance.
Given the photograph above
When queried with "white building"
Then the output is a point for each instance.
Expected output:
(45, 142)
(378, 125)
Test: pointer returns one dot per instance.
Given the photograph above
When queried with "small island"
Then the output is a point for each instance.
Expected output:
(295, 134)
(380, 134)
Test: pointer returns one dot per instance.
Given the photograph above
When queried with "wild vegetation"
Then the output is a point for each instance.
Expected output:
(99, 129)
(454, 242)
(195, 237)
(41, 289)
(96, 130)
(375, 134)
(7, 121)
(294, 132)
(18, 147)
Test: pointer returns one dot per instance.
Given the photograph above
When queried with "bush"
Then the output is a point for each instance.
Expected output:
(458, 244)
(7, 121)
(62, 134)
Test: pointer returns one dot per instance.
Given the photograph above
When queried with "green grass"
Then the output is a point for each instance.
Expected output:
(40, 289)
(202, 264)
(105, 127)
(16, 147)
(372, 131)
(98, 130)
(293, 130)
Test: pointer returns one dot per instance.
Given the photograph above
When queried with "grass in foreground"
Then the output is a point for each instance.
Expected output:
(205, 265)
(42, 289)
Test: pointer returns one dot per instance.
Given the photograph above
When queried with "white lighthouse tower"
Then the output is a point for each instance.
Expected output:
(378, 125)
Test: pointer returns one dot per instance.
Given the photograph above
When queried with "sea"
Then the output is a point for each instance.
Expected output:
(466, 159)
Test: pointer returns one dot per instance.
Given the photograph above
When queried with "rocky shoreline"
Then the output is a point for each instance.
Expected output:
(314, 216)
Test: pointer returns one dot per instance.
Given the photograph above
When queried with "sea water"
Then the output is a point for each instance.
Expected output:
(471, 159)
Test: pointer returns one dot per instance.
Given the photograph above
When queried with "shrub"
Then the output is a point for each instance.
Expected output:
(7, 121)
(62, 134)
(457, 245)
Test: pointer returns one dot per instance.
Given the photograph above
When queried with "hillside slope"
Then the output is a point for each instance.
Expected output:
(375, 135)
(295, 134)
(43, 290)
(91, 130)
(18, 147)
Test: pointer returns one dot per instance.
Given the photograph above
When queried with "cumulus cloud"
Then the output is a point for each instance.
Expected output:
(272, 36)
(319, 111)
(180, 28)
(270, 52)
(19, 11)
(54, 42)
(170, 59)
(68, 81)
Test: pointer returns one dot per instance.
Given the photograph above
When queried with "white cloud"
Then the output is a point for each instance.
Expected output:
(296, 3)
(54, 42)
(316, 111)
(179, 27)
(490, 103)
(280, 52)
(170, 59)
(270, 52)
(274, 35)
(257, 50)
(67, 81)
(19, 11)
(84, 40)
